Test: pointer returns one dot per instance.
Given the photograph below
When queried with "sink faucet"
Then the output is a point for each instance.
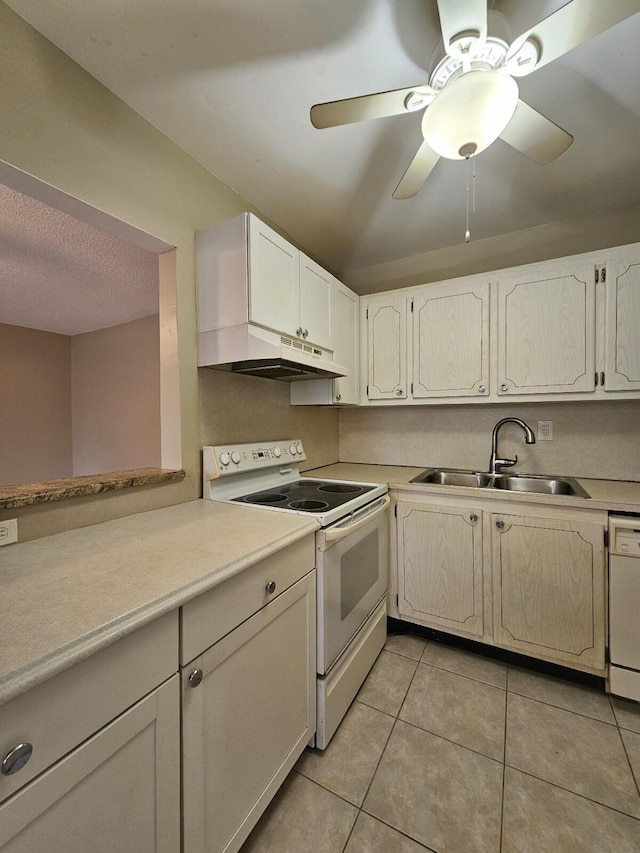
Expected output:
(496, 463)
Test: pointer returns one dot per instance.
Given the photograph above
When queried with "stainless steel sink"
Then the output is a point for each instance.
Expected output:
(505, 482)
(452, 477)
(539, 485)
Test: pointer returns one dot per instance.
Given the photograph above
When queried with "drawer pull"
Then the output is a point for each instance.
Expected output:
(473, 517)
(16, 758)
(500, 525)
(195, 678)
(271, 587)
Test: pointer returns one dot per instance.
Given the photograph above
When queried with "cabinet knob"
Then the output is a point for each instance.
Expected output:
(195, 678)
(482, 389)
(338, 397)
(504, 387)
(16, 758)
(398, 392)
(500, 525)
(473, 517)
(271, 587)
(299, 331)
(305, 334)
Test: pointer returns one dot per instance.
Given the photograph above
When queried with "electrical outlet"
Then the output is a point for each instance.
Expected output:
(8, 531)
(545, 430)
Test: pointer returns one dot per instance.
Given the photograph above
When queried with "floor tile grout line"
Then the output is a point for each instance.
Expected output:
(561, 708)
(504, 762)
(461, 674)
(626, 752)
(399, 831)
(448, 740)
(575, 793)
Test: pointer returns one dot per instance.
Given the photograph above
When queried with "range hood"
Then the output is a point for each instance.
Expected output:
(255, 351)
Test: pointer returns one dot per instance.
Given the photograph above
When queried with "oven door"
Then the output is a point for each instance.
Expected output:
(351, 564)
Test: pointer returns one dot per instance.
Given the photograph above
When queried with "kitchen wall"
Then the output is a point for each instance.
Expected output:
(237, 408)
(600, 440)
(62, 126)
(35, 405)
(115, 397)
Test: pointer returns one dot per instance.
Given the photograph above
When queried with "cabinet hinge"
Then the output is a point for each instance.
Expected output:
(395, 510)
(397, 600)
(412, 306)
(367, 390)
(606, 538)
(601, 274)
(595, 379)
(367, 311)
(597, 275)
(412, 389)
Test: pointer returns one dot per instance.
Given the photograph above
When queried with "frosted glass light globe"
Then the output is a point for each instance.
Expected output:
(470, 113)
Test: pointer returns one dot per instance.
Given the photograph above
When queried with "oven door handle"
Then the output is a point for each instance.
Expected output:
(333, 534)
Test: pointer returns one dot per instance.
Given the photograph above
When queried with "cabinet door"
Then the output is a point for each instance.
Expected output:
(274, 277)
(247, 722)
(451, 341)
(548, 588)
(316, 292)
(118, 792)
(440, 567)
(622, 325)
(387, 349)
(346, 349)
(546, 333)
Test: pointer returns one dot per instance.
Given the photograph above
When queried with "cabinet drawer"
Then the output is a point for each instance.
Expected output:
(209, 617)
(61, 713)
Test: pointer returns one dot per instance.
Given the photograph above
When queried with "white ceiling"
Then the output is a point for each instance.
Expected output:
(61, 275)
(232, 82)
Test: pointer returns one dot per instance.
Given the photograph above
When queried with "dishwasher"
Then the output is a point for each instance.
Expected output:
(624, 606)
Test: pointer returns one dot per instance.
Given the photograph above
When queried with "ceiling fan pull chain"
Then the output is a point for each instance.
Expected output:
(467, 235)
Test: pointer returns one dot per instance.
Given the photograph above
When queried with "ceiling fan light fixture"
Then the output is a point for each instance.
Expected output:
(472, 110)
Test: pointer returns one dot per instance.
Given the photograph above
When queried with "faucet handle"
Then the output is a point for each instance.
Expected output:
(506, 463)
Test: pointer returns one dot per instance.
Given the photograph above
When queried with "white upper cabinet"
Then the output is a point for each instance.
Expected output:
(316, 295)
(387, 348)
(622, 325)
(274, 279)
(546, 332)
(344, 390)
(451, 340)
(248, 273)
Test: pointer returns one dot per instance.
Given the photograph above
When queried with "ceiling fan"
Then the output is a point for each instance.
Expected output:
(472, 98)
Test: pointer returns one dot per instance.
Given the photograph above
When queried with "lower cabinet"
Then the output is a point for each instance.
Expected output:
(549, 588)
(531, 583)
(248, 711)
(117, 792)
(440, 566)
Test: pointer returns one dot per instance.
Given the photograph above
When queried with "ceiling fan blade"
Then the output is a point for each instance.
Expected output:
(565, 29)
(536, 136)
(459, 17)
(417, 173)
(364, 107)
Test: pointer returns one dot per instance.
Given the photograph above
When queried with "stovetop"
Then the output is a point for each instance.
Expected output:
(307, 495)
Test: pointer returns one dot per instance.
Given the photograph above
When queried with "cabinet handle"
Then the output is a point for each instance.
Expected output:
(482, 389)
(499, 524)
(271, 587)
(504, 387)
(195, 679)
(398, 392)
(473, 517)
(16, 758)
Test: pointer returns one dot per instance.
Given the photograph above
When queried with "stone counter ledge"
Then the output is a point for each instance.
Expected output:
(28, 494)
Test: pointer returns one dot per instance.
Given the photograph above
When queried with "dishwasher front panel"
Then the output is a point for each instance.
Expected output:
(624, 606)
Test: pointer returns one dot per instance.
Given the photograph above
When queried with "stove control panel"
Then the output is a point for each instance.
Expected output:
(238, 458)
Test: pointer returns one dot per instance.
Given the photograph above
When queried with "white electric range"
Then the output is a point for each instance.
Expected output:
(351, 557)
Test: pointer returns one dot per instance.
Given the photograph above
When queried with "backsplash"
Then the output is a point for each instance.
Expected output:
(599, 440)
(239, 409)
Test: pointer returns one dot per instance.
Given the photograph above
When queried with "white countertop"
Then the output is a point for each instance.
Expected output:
(611, 495)
(66, 596)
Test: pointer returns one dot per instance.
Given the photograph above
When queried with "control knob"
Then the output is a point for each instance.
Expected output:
(225, 458)
(235, 457)
(293, 450)
(277, 452)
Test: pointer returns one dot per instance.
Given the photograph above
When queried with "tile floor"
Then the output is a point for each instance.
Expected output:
(448, 751)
